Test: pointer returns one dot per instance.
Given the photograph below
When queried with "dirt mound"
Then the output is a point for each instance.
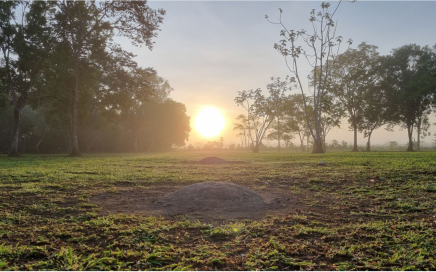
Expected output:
(214, 198)
(212, 160)
(204, 200)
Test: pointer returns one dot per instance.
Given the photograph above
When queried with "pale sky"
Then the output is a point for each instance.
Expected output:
(211, 50)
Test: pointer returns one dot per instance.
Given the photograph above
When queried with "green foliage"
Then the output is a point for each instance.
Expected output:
(410, 84)
(354, 80)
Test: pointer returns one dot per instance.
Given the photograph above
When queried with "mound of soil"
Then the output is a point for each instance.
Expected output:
(219, 201)
(214, 198)
(205, 200)
(212, 160)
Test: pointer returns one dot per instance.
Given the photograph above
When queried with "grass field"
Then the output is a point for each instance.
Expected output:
(363, 211)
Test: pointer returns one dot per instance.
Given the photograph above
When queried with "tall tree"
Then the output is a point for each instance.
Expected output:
(25, 44)
(410, 82)
(130, 93)
(322, 45)
(352, 77)
(85, 27)
(374, 112)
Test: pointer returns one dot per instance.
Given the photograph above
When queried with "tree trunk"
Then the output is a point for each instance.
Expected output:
(256, 149)
(418, 140)
(317, 146)
(410, 134)
(302, 145)
(355, 136)
(307, 144)
(278, 133)
(75, 115)
(368, 144)
(135, 140)
(13, 151)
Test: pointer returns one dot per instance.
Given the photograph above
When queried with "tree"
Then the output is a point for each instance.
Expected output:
(295, 119)
(261, 110)
(168, 125)
(332, 113)
(410, 82)
(321, 43)
(277, 89)
(422, 127)
(25, 44)
(335, 144)
(374, 109)
(277, 130)
(352, 77)
(84, 28)
(242, 126)
(259, 115)
(393, 145)
(130, 92)
(215, 145)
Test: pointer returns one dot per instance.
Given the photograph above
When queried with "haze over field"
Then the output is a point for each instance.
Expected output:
(123, 76)
(211, 50)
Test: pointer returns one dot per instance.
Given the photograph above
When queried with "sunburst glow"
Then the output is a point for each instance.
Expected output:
(209, 122)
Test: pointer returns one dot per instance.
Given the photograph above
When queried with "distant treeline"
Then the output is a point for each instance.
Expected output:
(292, 147)
(66, 86)
(368, 89)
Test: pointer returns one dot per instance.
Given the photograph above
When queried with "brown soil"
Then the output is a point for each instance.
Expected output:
(213, 200)
(219, 201)
(222, 199)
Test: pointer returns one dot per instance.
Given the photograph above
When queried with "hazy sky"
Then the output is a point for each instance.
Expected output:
(210, 50)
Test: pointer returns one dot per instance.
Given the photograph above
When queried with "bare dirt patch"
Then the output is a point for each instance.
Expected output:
(223, 199)
(214, 200)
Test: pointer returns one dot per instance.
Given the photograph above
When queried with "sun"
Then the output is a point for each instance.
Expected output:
(209, 122)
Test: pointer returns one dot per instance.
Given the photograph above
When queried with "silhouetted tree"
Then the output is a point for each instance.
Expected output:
(242, 126)
(170, 126)
(25, 43)
(261, 110)
(277, 89)
(86, 27)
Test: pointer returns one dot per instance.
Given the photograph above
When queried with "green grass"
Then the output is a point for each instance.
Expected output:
(365, 211)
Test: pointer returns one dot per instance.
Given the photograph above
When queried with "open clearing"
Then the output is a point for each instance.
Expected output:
(362, 211)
